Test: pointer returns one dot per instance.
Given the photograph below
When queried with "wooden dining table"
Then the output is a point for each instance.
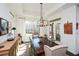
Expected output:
(40, 50)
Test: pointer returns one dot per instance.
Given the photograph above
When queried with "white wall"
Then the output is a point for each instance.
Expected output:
(68, 14)
(20, 27)
(4, 13)
(77, 41)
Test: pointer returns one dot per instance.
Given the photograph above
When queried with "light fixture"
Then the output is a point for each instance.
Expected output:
(41, 15)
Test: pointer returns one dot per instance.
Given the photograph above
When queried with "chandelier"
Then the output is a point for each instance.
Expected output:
(41, 15)
(42, 21)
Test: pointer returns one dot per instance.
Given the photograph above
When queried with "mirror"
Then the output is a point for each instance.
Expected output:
(3, 26)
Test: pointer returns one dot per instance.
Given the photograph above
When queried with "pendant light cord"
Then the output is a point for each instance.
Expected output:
(41, 14)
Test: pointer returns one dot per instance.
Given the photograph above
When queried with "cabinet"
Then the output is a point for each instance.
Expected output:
(10, 47)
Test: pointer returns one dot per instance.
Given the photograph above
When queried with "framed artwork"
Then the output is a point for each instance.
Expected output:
(68, 28)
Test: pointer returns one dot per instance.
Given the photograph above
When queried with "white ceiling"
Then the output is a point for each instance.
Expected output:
(32, 9)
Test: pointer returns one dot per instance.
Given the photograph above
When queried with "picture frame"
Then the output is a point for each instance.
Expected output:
(68, 28)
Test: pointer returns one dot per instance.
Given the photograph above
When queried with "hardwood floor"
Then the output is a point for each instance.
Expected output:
(23, 51)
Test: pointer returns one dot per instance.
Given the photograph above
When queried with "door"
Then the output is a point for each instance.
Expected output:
(57, 32)
(52, 32)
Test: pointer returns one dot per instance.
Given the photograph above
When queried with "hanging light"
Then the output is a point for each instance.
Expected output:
(42, 21)
(41, 15)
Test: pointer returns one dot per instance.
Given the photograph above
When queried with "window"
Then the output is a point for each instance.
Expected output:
(31, 26)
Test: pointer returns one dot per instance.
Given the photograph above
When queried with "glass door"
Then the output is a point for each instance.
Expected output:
(57, 32)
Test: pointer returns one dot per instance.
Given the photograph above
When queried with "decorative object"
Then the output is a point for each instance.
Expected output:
(45, 23)
(13, 28)
(42, 21)
(41, 17)
(13, 31)
(10, 37)
(68, 28)
(1, 46)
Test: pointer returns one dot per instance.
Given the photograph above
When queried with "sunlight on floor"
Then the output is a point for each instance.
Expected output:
(23, 50)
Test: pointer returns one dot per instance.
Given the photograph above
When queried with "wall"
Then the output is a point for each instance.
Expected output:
(4, 13)
(77, 41)
(67, 14)
(20, 27)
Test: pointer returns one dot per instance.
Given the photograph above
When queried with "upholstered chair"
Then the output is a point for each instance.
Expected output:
(58, 50)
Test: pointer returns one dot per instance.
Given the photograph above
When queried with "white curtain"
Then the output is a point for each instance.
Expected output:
(31, 27)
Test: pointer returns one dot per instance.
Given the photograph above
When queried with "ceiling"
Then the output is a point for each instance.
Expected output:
(32, 9)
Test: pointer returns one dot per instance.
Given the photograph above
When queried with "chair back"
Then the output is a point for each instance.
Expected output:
(58, 50)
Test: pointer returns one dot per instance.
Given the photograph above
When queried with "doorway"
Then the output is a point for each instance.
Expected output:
(52, 32)
(57, 32)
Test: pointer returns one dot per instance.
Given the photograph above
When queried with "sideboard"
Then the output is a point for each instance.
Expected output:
(10, 47)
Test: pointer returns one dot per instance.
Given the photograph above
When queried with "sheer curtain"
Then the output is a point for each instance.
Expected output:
(31, 26)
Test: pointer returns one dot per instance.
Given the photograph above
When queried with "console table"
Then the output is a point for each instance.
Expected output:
(10, 47)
